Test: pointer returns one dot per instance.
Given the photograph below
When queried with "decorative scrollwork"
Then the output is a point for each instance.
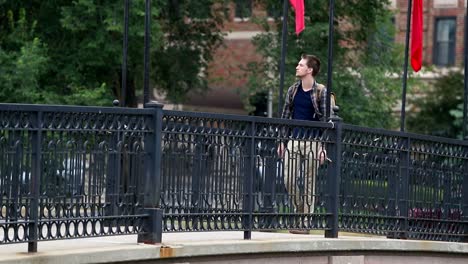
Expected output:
(88, 170)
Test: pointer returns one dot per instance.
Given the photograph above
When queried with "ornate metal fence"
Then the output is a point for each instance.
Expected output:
(69, 172)
(222, 172)
(403, 185)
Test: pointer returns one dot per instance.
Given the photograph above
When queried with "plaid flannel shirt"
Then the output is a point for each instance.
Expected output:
(320, 105)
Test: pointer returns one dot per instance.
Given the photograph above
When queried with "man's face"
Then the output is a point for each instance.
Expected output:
(302, 69)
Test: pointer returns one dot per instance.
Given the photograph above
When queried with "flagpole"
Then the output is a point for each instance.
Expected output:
(146, 59)
(123, 93)
(283, 54)
(405, 68)
(330, 54)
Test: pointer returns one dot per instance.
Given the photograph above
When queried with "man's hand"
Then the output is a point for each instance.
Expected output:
(281, 149)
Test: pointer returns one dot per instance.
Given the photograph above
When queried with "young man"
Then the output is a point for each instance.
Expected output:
(303, 152)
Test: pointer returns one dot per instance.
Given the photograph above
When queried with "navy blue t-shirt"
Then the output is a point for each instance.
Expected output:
(303, 108)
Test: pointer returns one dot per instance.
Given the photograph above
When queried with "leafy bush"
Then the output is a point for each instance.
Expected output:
(438, 111)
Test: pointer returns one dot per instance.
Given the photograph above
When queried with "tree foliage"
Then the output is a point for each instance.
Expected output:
(22, 58)
(62, 51)
(440, 111)
(364, 57)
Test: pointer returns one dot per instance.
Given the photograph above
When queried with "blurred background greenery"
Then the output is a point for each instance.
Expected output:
(70, 52)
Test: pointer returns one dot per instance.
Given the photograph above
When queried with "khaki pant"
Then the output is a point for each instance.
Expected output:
(301, 158)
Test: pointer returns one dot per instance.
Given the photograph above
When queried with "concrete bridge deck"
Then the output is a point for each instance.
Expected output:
(229, 247)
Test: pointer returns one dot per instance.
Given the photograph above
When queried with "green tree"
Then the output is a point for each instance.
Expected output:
(364, 57)
(440, 111)
(74, 49)
(192, 31)
(22, 59)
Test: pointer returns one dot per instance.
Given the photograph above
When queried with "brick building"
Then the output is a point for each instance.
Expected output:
(227, 78)
(443, 47)
(443, 30)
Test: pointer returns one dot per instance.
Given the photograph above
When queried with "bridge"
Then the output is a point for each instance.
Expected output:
(91, 172)
(229, 247)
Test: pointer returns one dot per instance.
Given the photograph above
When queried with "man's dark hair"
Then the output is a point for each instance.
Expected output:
(312, 62)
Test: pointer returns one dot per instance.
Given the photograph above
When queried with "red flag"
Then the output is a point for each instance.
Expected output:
(417, 36)
(299, 8)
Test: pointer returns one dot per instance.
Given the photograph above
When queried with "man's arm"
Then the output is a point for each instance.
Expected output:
(323, 103)
(287, 106)
(322, 152)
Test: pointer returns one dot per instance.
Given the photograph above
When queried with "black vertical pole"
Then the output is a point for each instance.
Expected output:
(36, 175)
(330, 53)
(153, 223)
(464, 199)
(248, 183)
(465, 94)
(333, 180)
(403, 186)
(284, 38)
(124, 55)
(147, 50)
(199, 167)
(405, 68)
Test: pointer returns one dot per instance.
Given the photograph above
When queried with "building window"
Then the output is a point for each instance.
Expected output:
(444, 41)
(243, 8)
(274, 9)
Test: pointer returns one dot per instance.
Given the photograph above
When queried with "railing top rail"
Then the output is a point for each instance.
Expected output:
(74, 109)
(257, 119)
(405, 134)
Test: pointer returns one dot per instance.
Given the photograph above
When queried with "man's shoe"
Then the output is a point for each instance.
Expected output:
(299, 232)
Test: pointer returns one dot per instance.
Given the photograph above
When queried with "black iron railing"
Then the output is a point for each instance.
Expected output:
(69, 172)
(403, 185)
(223, 172)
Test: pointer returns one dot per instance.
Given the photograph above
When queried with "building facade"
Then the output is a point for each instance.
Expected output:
(443, 30)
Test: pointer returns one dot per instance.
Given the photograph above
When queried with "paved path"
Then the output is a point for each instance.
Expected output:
(125, 248)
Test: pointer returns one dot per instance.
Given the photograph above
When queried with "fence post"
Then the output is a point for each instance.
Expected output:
(199, 167)
(114, 171)
(392, 189)
(333, 179)
(152, 191)
(403, 194)
(464, 199)
(248, 182)
(36, 171)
